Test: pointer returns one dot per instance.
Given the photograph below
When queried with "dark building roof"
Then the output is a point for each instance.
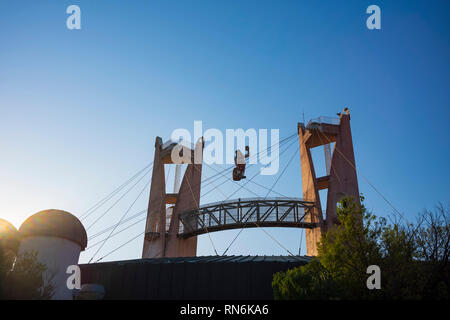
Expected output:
(206, 277)
(55, 223)
(216, 259)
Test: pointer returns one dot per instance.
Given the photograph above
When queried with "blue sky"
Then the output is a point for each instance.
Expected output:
(80, 109)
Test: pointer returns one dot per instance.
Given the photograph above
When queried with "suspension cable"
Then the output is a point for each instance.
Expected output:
(274, 239)
(123, 217)
(124, 221)
(257, 173)
(223, 175)
(301, 240)
(241, 229)
(114, 234)
(140, 234)
(365, 178)
(251, 180)
(213, 183)
(112, 194)
(218, 175)
(121, 197)
(284, 170)
(198, 208)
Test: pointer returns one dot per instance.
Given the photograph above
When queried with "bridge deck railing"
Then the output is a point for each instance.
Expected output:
(246, 213)
(326, 120)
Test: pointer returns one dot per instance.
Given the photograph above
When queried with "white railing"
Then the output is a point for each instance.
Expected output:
(326, 120)
(180, 141)
(252, 199)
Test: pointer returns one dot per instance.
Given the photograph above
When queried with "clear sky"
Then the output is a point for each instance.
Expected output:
(80, 109)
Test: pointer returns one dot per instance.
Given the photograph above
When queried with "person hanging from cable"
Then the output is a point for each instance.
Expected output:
(239, 161)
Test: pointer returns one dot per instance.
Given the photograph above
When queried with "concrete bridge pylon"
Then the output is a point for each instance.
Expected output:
(340, 179)
(164, 208)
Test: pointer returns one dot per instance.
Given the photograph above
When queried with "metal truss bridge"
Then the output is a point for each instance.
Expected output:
(246, 213)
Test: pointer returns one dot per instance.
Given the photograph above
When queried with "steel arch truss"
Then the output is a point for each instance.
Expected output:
(246, 213)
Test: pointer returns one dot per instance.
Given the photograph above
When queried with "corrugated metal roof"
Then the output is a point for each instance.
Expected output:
(204, 277)
(216, 259)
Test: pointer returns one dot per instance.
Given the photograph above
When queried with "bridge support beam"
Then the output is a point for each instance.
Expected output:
(341, 179)
(161, 238)
(188, 199)
(310, 192)
(155, 229)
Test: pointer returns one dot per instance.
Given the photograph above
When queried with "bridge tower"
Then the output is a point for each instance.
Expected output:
(163, 220)
(340, 178)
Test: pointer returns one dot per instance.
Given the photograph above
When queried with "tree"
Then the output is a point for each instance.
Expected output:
(310, 282)
(413, 259)
(24, 277)
(432, 238)
(6, 263)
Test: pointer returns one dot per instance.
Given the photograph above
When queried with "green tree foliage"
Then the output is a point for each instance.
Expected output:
(413, 259)
(24, 277)
(310, 282)
(6, 263)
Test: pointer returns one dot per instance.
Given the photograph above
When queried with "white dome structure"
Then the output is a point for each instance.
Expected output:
(58, 237)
